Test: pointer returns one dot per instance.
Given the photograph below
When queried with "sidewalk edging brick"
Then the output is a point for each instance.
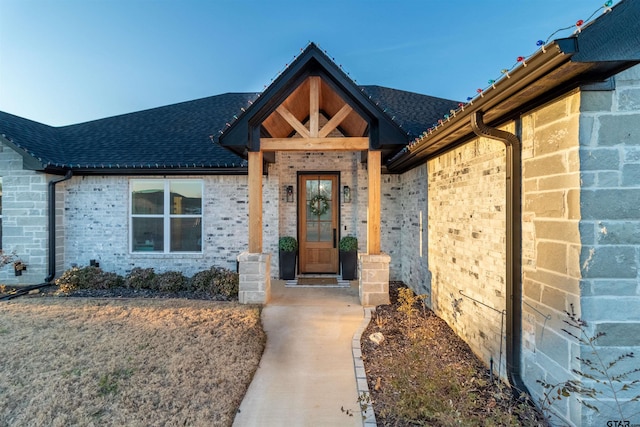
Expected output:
(364, 396)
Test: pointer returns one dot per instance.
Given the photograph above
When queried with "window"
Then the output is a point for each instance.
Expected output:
(166, 216)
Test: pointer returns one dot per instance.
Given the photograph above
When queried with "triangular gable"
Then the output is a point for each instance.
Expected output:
(362, 118)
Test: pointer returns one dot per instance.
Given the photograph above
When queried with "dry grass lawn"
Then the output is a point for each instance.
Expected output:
(135, 362)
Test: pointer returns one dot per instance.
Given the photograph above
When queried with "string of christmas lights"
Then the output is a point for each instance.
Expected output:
(520, 61)
(505, 74)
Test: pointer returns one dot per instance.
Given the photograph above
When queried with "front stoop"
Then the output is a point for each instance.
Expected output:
(255, 278)
(373, 279)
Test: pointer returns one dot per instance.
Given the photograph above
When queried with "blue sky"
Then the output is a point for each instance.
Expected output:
(70, 61)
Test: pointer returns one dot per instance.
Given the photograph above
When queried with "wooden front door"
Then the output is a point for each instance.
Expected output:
(318, 225)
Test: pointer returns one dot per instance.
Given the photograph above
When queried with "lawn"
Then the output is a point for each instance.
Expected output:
(112, 362)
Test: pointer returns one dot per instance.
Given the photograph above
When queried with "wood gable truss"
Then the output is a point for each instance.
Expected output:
(313, 106)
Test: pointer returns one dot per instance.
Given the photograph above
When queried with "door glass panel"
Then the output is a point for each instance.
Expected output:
(312, 232)
(325, 188)
(312, 189)
(327, 215)
(326, 234)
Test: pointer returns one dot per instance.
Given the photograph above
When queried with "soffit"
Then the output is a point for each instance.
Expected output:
(330, 105)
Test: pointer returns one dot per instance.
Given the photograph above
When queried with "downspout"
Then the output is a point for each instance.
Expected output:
(513, 242)
(52, 225)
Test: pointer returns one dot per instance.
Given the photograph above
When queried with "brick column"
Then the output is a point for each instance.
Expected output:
(373, 279)
(255, 278)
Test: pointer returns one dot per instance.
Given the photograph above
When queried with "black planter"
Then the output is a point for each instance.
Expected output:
(349, 261)
(288, 265)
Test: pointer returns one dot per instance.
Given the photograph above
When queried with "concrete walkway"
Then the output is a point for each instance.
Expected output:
(306, 374)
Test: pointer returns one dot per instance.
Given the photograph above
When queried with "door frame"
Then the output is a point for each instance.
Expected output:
(337, 174)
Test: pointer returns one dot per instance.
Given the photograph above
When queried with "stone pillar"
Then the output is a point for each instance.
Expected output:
(373, 274)
(255, 278)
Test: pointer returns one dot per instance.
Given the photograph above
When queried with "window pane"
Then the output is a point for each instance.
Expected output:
(326, 216)
(147, 197)
(325, 188)
(186, 235)
(312, 189)
(326, 233)
(312, 232)
(148, 234)
(186, 197)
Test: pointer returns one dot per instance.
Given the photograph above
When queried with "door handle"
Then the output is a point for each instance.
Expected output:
(334, 238)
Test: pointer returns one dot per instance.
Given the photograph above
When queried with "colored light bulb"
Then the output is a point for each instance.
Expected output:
(540, 43)
(579, 23)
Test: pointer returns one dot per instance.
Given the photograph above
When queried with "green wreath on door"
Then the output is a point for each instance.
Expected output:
(319, 204)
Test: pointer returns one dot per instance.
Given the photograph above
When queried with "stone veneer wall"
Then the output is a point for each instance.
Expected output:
(97, 225)
(610, 229)
(588, 247)
(466, 252)
(24, 219)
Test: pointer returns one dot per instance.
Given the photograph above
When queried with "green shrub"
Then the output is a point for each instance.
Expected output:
(203, 281)
(288, 244)
(216, 281)
(226, 282)
(140, 278)
(87, 278)
(349, 244)
(171, 281)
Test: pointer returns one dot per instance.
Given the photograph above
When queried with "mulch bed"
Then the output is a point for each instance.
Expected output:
(426, 358)
(122, 292)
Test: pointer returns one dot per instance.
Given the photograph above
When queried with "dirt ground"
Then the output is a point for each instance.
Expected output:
(134, 362)
(424, 374)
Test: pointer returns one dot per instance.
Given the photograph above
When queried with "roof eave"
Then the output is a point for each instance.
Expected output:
(140, 171)
(457, 125)
(605, 47)
(29, 161)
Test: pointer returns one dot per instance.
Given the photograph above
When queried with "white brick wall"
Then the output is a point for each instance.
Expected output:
(97, 226)
(415, 271)
(466, 234)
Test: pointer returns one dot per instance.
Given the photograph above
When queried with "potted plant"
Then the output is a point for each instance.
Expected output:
(288, 248)
(349, 257)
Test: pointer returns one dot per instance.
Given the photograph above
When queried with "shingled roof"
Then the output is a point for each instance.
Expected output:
(175, 138)
(171, 137)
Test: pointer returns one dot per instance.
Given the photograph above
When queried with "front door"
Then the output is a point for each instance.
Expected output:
(318, 213)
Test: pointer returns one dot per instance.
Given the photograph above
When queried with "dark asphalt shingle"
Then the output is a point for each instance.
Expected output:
(178, 135)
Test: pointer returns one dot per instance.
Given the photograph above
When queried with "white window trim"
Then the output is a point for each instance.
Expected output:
(166, 217)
